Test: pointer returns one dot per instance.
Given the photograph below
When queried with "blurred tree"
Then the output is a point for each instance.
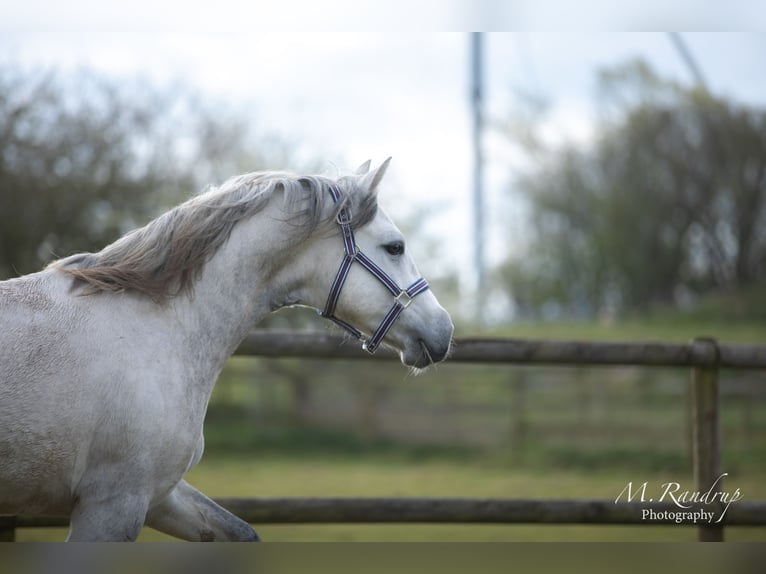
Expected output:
(668, 203)
(83, 160)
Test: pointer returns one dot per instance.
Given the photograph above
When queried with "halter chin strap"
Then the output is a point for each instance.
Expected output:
(402, 297)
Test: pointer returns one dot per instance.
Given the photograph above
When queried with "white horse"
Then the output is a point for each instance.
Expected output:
(108, 359)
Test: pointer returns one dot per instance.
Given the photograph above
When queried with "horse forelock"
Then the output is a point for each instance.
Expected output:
(165, 257)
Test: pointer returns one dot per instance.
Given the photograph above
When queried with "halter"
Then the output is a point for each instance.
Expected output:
(402, 297)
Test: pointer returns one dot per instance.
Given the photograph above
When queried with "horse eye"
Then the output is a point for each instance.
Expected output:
(395, 248)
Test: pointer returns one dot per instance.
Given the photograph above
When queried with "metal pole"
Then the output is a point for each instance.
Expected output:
(688, 58)
(477, 97)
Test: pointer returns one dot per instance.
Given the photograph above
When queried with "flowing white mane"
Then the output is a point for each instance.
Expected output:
(163, 258)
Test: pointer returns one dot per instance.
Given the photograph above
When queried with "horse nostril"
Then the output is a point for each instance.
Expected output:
(434, 355)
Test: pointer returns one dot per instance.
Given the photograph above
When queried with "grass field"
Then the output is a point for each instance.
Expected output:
(370, 430)
(393, 476)
(737, 317)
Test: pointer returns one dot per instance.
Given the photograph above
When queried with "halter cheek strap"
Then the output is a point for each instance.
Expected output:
(352, 253)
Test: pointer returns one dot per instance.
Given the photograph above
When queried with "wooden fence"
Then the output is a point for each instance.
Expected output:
(704, 357)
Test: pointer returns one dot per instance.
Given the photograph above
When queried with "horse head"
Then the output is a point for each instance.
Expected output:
(367, 279)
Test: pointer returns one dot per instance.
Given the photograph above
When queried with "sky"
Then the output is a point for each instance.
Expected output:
(341, 98)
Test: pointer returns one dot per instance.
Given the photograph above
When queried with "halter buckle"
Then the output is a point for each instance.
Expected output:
(403, 299)
(343, 217)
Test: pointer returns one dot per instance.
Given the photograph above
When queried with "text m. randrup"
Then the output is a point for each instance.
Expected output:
(672, 492)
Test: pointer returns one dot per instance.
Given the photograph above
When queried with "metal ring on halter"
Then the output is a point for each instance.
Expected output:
(402, 297)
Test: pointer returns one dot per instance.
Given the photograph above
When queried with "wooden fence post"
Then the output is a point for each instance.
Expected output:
(7, 528)
(706, 435)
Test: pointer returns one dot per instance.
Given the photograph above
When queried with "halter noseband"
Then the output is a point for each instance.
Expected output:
(402, 297)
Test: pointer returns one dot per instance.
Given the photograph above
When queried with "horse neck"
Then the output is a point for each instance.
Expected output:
(242, 283)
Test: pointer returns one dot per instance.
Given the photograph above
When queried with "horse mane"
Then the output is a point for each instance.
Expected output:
(165, 257)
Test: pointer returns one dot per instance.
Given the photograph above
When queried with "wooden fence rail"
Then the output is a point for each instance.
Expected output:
(703, 352)
(704, 356)
(294, 510)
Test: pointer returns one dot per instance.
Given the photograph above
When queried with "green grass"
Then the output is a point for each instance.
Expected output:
(730, 318)
(388, 476)
(590, 433)
(661, 329)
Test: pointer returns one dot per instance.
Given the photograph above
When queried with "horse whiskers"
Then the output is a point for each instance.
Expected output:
(426, 352)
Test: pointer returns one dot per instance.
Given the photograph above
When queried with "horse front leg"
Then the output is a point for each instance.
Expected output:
(188, 514)
(113, 519)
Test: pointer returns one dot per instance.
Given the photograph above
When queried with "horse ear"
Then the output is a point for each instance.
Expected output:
(372, 178)
(364, 168)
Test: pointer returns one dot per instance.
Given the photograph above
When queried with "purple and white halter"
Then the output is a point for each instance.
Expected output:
(402, 297)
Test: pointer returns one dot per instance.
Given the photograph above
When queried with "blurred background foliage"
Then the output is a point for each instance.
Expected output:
(666, 207)
(656, 231)
(665, 210)
(84, 159)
